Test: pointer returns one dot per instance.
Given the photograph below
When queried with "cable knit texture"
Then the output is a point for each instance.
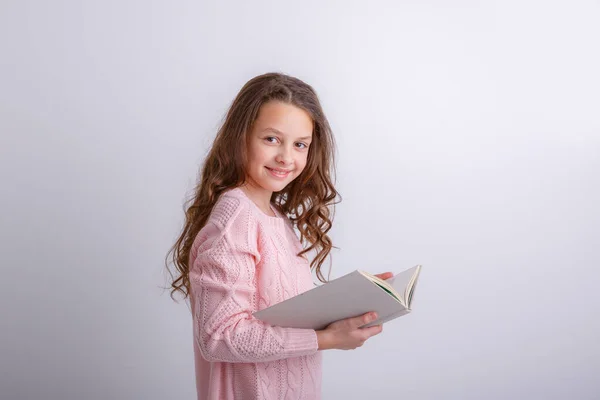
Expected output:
(243, 261)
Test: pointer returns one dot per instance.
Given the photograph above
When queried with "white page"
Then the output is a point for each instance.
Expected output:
(401, 280)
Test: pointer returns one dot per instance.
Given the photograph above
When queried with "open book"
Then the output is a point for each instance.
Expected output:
(348, 296)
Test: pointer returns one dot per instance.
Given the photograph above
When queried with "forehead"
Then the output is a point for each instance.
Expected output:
(283, 119)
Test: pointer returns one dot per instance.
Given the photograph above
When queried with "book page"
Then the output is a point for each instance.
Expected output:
(401, 282)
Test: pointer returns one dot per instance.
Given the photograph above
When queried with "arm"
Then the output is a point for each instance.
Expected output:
(222, 278)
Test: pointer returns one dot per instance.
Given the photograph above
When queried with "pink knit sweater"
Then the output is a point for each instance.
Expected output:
(243, 261)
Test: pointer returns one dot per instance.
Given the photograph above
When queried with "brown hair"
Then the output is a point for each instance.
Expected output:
(306, 200)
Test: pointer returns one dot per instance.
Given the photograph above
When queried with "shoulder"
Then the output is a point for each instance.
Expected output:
(231, 221)
(233, 210)
(234, 217)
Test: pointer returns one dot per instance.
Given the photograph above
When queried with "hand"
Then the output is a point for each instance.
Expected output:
(385, 275)
(347, 334)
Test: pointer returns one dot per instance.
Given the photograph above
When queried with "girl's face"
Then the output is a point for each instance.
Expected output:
(278, 147)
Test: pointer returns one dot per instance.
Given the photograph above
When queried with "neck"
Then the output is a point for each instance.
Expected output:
(260, 196)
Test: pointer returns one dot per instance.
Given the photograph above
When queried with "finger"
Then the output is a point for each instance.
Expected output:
(364, 319)
(372, 330)
(385, 275)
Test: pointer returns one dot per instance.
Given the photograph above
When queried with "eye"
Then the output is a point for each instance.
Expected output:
(268, 139)
(302, 145)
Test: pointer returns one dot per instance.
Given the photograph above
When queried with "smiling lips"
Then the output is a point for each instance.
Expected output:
(279, 173)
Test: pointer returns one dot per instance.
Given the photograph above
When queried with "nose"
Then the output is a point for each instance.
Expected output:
(284, 156)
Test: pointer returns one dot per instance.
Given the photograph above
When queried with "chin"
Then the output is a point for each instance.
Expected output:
(275, 186)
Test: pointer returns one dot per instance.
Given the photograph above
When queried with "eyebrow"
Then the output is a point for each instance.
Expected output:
(282, 134)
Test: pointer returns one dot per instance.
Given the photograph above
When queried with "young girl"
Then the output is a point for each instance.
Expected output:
(267, 173)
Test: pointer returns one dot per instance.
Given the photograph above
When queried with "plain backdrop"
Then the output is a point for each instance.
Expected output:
(468, 141)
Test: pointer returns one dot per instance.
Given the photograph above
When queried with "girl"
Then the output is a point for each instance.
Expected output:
(267, 173)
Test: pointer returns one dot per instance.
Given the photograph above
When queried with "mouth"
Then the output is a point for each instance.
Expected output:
(279, 173)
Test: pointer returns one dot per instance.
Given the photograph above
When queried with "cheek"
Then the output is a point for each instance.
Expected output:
(256, 157)
(266, 153)
(301, 163)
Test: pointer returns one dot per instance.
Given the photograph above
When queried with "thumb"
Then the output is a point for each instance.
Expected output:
(385, 275)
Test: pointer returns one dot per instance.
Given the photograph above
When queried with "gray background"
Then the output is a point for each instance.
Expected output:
(469, 140)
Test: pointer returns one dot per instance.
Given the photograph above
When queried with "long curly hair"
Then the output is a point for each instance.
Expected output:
(308, 200)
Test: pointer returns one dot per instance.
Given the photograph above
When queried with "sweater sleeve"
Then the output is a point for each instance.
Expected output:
(222, 278)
